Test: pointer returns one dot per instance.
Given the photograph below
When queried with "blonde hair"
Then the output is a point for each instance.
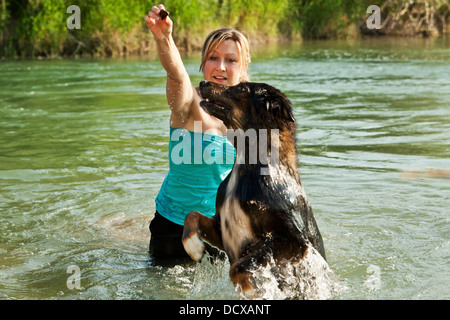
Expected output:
(218, 36)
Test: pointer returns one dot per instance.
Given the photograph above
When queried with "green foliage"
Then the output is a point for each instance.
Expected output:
(324, 18)
(48, 25)
(4, 16)
(198, 15)
(38, 27)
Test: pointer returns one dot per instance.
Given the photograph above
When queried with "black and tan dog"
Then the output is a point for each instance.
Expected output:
(259, 214)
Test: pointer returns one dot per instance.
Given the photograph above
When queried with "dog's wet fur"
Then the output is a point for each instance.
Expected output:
(258, 216)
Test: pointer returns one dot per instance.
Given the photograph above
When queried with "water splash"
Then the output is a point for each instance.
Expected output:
(211, 279)
(309, 279)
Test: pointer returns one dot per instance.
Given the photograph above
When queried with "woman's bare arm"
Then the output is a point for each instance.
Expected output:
(179, 90)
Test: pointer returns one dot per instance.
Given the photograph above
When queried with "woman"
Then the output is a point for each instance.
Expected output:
(192, 185)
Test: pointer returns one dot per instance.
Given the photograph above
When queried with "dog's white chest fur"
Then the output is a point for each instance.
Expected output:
(236, 227)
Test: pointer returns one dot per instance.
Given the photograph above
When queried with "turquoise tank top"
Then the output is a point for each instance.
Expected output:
(198, 163)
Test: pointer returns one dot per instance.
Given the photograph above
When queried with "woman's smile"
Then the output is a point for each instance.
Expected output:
(220, 79)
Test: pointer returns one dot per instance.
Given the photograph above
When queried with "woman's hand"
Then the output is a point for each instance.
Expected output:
(160, 28)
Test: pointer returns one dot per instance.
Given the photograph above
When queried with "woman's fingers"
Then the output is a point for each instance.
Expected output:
(152, 17)
(150, 21)
(157, 9)
(159, 22)
(154, 13)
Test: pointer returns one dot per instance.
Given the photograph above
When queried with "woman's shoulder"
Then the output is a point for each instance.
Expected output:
(196, 116)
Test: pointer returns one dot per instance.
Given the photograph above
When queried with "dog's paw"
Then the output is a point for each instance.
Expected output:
(194, 246)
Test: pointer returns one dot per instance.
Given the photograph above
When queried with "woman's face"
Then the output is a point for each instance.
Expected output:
(223, 65)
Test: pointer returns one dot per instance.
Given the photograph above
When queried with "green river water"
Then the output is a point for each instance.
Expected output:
(83, 152)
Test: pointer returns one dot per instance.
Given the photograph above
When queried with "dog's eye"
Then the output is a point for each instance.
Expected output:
(242, 89)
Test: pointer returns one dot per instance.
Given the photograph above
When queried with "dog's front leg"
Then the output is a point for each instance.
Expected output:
(241, 271)
(197, 227)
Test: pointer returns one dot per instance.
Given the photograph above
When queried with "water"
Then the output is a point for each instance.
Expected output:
(83, 152)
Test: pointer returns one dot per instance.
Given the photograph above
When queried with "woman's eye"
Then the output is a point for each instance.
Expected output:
(231, 60)
(213, 58)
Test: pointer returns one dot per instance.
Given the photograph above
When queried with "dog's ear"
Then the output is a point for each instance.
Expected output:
(280, 106)
(283, 110)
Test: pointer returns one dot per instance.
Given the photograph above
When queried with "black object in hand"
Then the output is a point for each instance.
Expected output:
(163, 14)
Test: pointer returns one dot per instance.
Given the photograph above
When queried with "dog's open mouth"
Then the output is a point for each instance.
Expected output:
(214, 108)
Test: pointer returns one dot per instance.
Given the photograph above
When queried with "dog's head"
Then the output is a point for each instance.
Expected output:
(248, 105)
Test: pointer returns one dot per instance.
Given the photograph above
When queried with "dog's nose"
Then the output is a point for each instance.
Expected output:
(203, 83)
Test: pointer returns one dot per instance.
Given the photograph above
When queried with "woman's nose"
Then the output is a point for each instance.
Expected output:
(221, 65)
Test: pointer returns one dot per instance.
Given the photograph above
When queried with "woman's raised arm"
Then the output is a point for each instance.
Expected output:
(179, 89)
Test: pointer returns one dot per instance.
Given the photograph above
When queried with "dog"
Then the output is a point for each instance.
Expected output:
(262, 211)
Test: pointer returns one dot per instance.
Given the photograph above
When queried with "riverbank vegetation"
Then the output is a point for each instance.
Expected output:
(36, 28)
